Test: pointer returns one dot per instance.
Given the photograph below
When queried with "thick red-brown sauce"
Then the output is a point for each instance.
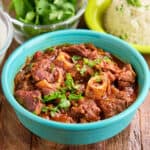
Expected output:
(75, 84)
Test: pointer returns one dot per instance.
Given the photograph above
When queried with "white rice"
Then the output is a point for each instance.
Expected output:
(3, 33)
(129, 22)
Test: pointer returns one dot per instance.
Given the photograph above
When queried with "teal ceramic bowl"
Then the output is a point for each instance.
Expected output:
(75, 133)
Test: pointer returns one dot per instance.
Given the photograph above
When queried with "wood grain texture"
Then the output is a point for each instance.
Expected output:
(145, 123)
(12, 134)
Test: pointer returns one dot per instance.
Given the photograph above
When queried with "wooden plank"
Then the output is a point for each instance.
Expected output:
(118, 141)
(13, 135)
(145, 123)
(147, 58)
(129, 139)
(40, 144)
(135, 141)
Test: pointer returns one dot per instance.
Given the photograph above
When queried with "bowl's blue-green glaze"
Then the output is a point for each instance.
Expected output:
(75, 133)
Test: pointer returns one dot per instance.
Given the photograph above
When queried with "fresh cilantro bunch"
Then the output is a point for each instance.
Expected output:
(41, 12)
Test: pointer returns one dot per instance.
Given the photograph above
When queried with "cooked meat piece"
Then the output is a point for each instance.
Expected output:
(38, 55)
(47, 87)
(126, 77)
(46, 116)
(89, 71)
(109, 66)
(92, 55)
(112, 77)
(76, 50)
(86, 110)
(63, 118)
(25, 85)
(80, 50)
(64, 60)
(111, 107)
(38, 108)
(127, 95)
(29, 99)
(41, 74)
(42, 64)
(123, 84)
(41, 70)
(82, 75)
(47, 91)
(20, 77)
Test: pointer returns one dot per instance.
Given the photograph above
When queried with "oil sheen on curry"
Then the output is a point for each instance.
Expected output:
(75, 84)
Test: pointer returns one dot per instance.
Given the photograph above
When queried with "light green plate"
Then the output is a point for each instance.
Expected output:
(94, 19)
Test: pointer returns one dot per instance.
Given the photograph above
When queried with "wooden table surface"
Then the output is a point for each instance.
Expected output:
(13, 136)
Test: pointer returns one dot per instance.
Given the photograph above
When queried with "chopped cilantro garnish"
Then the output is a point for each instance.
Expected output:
(119, 8)
(136, 3)
(73, 96)
(78, 67)
(34, 113)
(69, 81)
(75, 58)
(45, 109)
(52, 96)
(91, 63)
(124, 36)
(53, 111)
(107, 59)
(64, 103)
(51, 49)
(96, 73)
(83, 70)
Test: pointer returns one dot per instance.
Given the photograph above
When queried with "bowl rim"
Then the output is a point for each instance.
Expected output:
(54, 25)
(92, 22)
(6, 20)
(74, 127)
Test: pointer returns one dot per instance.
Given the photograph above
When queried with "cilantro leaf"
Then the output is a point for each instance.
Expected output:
(69, 82)
(75, 58)
(83, 70)
(64, 103)
(73, 96)
(107, 59)
(45, 109)
(52, 96)
(91, 63)
(53, 111)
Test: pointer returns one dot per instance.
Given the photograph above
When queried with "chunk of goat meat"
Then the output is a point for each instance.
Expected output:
(127, 94)
(29, 99)
(63, 118)
(87, 110)
(111, 107)
(126, 77)
(80, 50)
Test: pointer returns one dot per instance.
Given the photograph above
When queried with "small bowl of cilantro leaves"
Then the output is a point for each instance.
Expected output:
(34, 17)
